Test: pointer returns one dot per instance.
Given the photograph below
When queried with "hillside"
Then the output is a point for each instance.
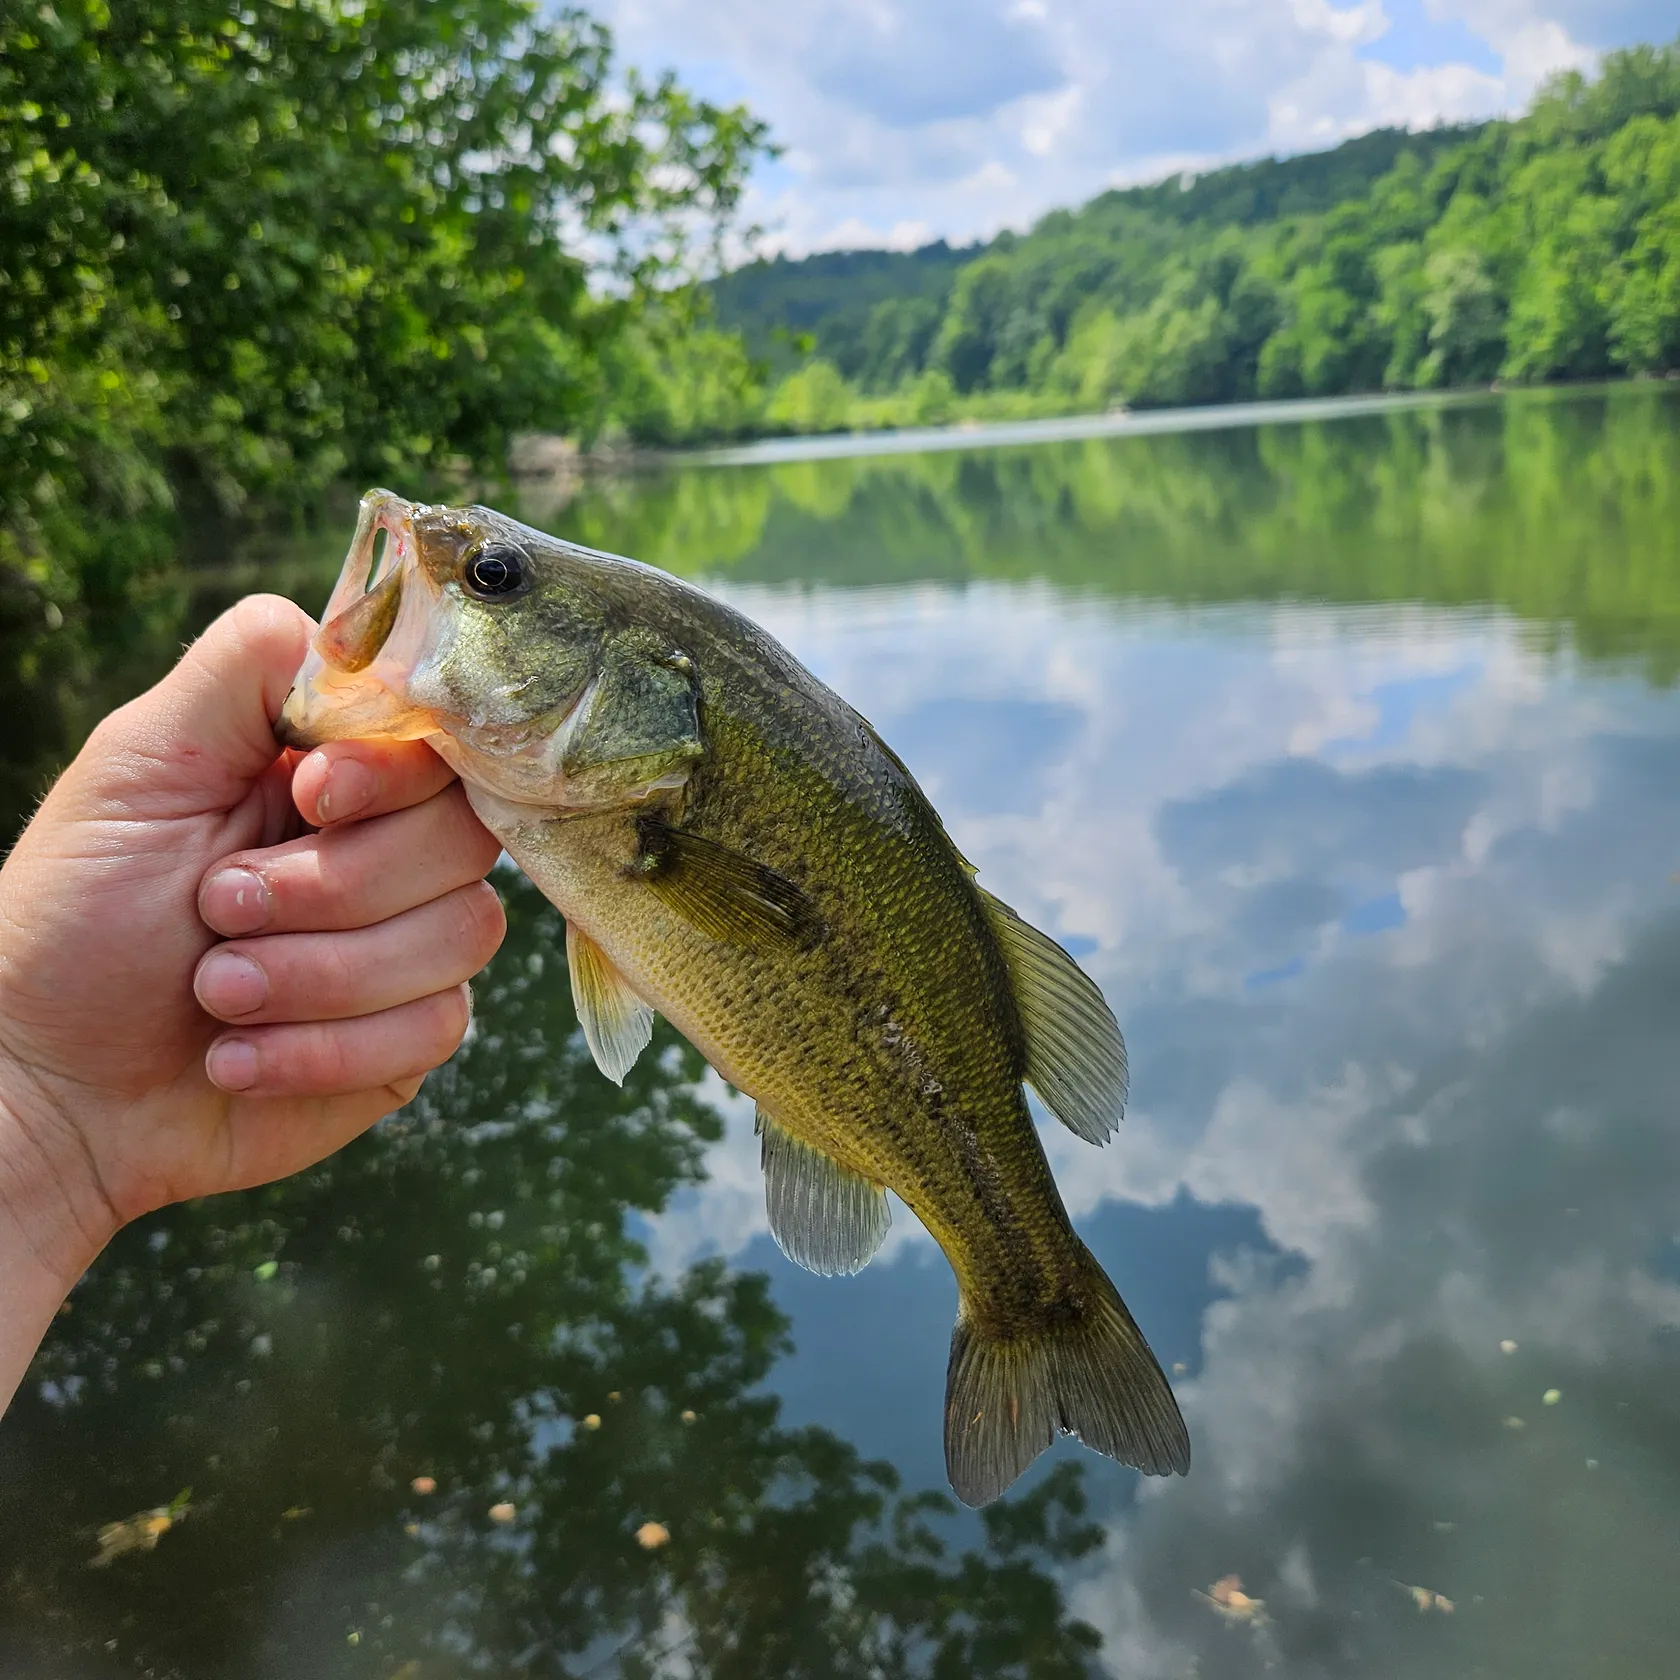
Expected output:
(1537, 249)
(786, 308)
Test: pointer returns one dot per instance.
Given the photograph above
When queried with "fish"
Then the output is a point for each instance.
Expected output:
(733, 846)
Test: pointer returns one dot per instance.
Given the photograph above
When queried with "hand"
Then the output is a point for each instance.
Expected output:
(198, 995)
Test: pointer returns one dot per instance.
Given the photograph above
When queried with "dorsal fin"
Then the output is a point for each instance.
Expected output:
(824, 1216)
(616, 1023)
(726, 896)
(1076, 1058)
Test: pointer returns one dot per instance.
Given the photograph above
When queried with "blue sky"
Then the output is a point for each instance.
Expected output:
(907, 120)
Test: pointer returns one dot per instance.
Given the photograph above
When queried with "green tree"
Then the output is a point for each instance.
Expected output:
(262, 244)
(814, 398)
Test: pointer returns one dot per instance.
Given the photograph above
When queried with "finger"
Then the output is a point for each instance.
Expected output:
(346, 779)
(334, 976)
(331, 1058)
(205, 733)
(350, 876)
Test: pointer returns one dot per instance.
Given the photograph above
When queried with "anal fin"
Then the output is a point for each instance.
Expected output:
(824, 1216)
(616, 1023)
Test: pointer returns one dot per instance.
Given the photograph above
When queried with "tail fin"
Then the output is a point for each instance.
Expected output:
(1090, 1375)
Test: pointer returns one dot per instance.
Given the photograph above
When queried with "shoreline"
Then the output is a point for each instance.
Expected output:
(561, 461)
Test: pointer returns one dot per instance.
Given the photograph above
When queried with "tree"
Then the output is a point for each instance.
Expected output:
(259, 244)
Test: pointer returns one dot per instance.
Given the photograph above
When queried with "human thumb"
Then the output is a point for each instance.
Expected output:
(205, 733)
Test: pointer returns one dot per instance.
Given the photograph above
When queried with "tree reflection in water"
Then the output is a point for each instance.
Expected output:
(460, 1297)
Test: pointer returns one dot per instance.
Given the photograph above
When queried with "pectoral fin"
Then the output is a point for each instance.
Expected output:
(1076, 1058)
(726, 896)
(616, 1023)
(824, 1216)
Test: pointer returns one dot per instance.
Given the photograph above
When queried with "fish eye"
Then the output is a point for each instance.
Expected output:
(495, 572)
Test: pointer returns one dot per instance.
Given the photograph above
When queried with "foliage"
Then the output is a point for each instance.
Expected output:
(252, 245)
(1543, 249)
(1557, 507)
(775, 302)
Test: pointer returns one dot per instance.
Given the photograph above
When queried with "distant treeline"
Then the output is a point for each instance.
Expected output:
(1541, 249)
(1501, 502)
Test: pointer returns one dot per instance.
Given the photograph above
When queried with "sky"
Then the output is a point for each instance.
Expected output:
(903, 121)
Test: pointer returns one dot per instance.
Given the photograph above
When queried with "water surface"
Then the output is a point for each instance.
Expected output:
(1346, 757)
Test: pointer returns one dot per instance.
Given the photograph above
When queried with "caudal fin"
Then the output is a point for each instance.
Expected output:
(1090, 1374)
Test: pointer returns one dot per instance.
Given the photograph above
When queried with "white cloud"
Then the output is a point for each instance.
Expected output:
(964, 117)
(1318, 755)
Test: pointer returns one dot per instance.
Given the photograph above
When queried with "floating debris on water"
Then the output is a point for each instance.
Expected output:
(1228, 1598)
(1551, 1397)
(651, 1536)
(1507, 1347)
(142, 1531)
(687, 1416)
(423, 1485)
(295, 1512)
(1515, 1423)
(591, 1420)
(1427, 1601)
(504, 1511)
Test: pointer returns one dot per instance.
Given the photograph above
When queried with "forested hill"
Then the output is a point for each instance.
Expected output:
(825, 300)
(1542, 248)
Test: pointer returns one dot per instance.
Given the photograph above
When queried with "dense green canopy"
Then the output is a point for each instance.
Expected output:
(1546, 248)
(254, 243)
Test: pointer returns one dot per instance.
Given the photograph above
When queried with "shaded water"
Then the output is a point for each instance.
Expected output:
(1346, 756)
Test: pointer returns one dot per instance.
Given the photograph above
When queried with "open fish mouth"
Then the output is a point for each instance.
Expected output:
(345, 689)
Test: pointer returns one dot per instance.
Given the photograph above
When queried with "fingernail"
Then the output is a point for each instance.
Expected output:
(232, 1064)
(349, 788)
(235, 901)
(229, 983)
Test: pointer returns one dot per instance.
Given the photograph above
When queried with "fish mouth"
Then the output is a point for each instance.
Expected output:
(343, 691)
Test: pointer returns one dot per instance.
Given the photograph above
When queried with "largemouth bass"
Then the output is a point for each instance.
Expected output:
(733, 846)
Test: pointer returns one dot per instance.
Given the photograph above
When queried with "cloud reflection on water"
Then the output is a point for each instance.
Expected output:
(1451, 851)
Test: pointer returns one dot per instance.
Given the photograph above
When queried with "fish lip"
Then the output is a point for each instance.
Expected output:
(379, 510)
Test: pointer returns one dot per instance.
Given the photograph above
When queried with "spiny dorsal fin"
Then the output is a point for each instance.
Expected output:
(824, 1216)
(726, 896)
(616, 1023)
(1076, 1058)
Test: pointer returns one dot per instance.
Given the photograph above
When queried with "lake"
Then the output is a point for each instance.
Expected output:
(1344, 753)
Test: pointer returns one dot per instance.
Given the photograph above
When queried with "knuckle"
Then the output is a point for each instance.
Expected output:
(330, 981)
(479, 921)
(336, 885)
(306, 1059)
(451, 1015)
(323, 1060)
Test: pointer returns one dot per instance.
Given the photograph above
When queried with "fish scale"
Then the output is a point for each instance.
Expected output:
(733, 846)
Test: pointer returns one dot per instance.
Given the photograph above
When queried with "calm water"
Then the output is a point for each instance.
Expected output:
(1346, 756)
